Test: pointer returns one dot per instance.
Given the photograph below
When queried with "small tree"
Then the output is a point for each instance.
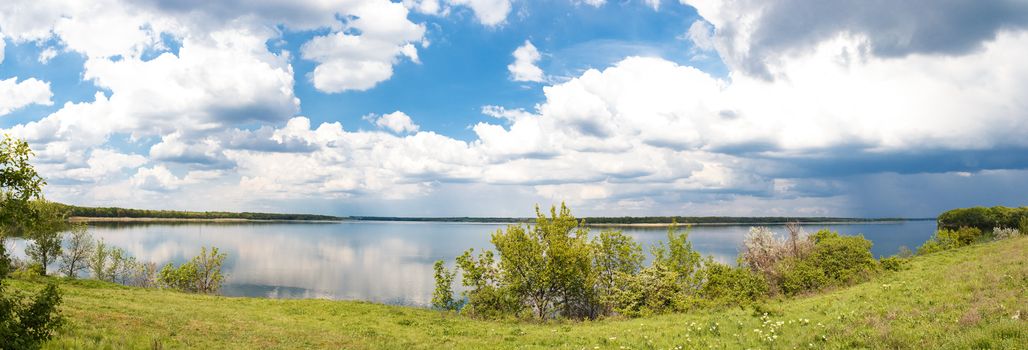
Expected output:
(614, 254)
(679, 256)
(49, 221)
(202, 274)
(99, 260)
(76, 254)
(442, 297)
(208, 267)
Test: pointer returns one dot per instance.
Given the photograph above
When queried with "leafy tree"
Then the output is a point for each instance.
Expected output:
(548, 266)
(23, 324)
(76, 253)
(679, 256)
(485, 295)
(202, 274)
(49, 221)
(179, 278)
(614, 254)
(208, 267)
(99, 260)
(442, 297)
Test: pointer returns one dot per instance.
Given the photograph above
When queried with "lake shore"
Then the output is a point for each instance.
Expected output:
(88, 219)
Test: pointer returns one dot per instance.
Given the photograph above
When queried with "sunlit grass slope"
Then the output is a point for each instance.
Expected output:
(973, 297)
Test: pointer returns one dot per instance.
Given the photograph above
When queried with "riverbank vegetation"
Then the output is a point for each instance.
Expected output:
(648, 220)
(556, 269)
(963, 298)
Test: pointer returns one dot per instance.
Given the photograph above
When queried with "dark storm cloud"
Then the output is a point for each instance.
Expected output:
(842, 162)
(893, 28)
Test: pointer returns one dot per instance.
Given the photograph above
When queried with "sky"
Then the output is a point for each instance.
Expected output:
(488, 107)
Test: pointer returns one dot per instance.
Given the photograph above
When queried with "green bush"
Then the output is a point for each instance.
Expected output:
(202, 274)
(893, 263)
(726, 285)
(835, 260)
(799, 276)
(655, 290)
(945, 239)
(442, 297)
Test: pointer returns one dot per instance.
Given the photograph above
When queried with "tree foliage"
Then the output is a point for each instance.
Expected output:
(202, 274)
(442, 297)
(77, 250)
(25, 322)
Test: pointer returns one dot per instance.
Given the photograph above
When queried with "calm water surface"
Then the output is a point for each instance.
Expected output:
(389, 262)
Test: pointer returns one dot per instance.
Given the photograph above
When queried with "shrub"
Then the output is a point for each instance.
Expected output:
(834, 260)
(800, 275)
(893, 263)
(484, 295)
(442, 297)
(1005, 233)
(762, 250)
(202, 274)
(614, 254)
(726, 285)
(948, 239)
(26, 325)
(656, 289)
(844, 258)
(6, 264)
(679, 257)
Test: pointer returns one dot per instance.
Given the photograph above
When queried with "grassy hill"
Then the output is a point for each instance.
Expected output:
(972, 297)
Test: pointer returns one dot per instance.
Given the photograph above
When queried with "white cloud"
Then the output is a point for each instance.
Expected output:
(15, 95)
(103, 163)
(3, 44)
(428, 7)
(156, 178)
(359, 62)
(655, 4)
(398, 122)
(701, 34)
(489, 12)
(524, 67)
(47, 54)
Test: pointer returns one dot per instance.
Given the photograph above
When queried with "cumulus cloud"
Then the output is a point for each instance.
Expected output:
(812, 102)
(702, 35)
(359, 62)
(524, 67)
(488, 12)
(397, 122)
(15, 95)
(754, 35)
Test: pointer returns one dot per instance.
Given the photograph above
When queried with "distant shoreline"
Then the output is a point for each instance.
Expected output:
(87, 219)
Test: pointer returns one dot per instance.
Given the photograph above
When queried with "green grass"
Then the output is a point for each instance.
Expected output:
(973, 297)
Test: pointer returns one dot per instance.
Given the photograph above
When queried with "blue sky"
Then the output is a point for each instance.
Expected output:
(487, 107)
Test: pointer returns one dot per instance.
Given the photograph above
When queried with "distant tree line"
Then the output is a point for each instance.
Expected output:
(984, 218)
(667, 220)
(113, 212)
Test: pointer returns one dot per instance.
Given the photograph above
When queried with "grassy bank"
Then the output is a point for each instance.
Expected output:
(972, 297)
